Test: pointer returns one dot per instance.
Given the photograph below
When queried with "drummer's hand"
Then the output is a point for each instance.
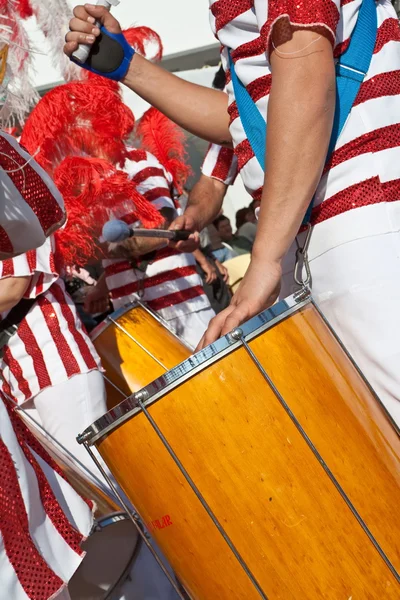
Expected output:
(186, 223)
(258, 290)
(83, 29)
(223, 270)
(96, 301)
(210, 272)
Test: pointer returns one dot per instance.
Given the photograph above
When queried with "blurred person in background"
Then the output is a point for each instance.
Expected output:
(239, 245)
(246, 224)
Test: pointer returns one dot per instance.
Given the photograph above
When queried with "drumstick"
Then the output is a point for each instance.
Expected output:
(118, 231)
(82, 54)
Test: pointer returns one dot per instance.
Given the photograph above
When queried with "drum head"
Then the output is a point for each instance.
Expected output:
(110, 552)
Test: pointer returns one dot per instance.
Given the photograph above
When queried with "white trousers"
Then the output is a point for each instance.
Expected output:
(355, 266)
(191, 327)
(66, 410)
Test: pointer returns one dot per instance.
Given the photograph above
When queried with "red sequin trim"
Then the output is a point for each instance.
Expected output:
(31, 187)
(225, 11)
(373, 141)
(118, 267)
(223, 164)
(244, 153)
(33, 350)
(389, 31)
(31, 257)
(146, 173)
(156, 193)
(148, 282)
(69, 317)
(68, 359)
(137, 155)
(361, 194)
(5, 242)
(384, 84)
(15, 369)
(392, 190)
(36, 578)
(176, 298)
(323, 16)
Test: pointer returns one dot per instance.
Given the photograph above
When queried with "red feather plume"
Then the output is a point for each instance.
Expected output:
(141, 38)
(93, 190)
(24, 9)
(163, 138)
(79, 118)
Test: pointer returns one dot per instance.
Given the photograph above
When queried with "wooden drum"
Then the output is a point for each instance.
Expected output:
(135, 347)
(264, 466)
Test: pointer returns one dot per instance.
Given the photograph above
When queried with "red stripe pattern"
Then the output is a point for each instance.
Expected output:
(373, 126)
(30, 186)
(50, 345)
(170, 283)
(220, 163)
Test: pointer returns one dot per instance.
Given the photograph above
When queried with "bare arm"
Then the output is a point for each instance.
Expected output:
(205, 203)
(12, 290)
(135, 247)
(198, 109)
(300, 116)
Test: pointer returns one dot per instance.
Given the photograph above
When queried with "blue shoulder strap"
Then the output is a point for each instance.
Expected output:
(350, 73)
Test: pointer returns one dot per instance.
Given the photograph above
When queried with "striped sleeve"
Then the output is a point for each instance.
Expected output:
(321, 15)
(36, 263)
(31, 207)
(220, 163)
(151, 179)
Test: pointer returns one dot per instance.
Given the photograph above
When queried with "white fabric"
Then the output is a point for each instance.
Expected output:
(63, 348)
(191, 327)
(67, 409)
(247, 34)
(356, 283)
(56, 552)
(17, 218)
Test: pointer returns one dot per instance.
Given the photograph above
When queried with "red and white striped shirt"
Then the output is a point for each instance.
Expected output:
(50, 345)
(220, 163)
(365, 166)
(31, 207)
(171, 285)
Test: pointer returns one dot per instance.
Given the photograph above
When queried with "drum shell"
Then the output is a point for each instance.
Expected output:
(260, 477)
(135, 348)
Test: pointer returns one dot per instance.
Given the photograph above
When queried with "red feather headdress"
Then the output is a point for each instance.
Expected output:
(163, 138)
(93, 190)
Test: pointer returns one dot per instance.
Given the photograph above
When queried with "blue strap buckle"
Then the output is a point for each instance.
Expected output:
(350, 72)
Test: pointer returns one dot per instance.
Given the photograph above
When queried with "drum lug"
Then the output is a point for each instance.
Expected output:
(141, 396)
(235, 335)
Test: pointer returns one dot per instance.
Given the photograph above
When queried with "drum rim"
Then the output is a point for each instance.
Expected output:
(117, 314)
(114, 316)
(161, 386)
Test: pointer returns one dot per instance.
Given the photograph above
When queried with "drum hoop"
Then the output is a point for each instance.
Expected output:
(198, 362)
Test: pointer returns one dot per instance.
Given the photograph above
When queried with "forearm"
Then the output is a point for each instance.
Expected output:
(200, 258)
(198, 109)
(300, 115)
(134, 248)
(12, 290)
(205, 201)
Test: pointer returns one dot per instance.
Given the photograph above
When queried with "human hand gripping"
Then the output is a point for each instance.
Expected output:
(186, 223)
(111, 54)
(258, 290)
